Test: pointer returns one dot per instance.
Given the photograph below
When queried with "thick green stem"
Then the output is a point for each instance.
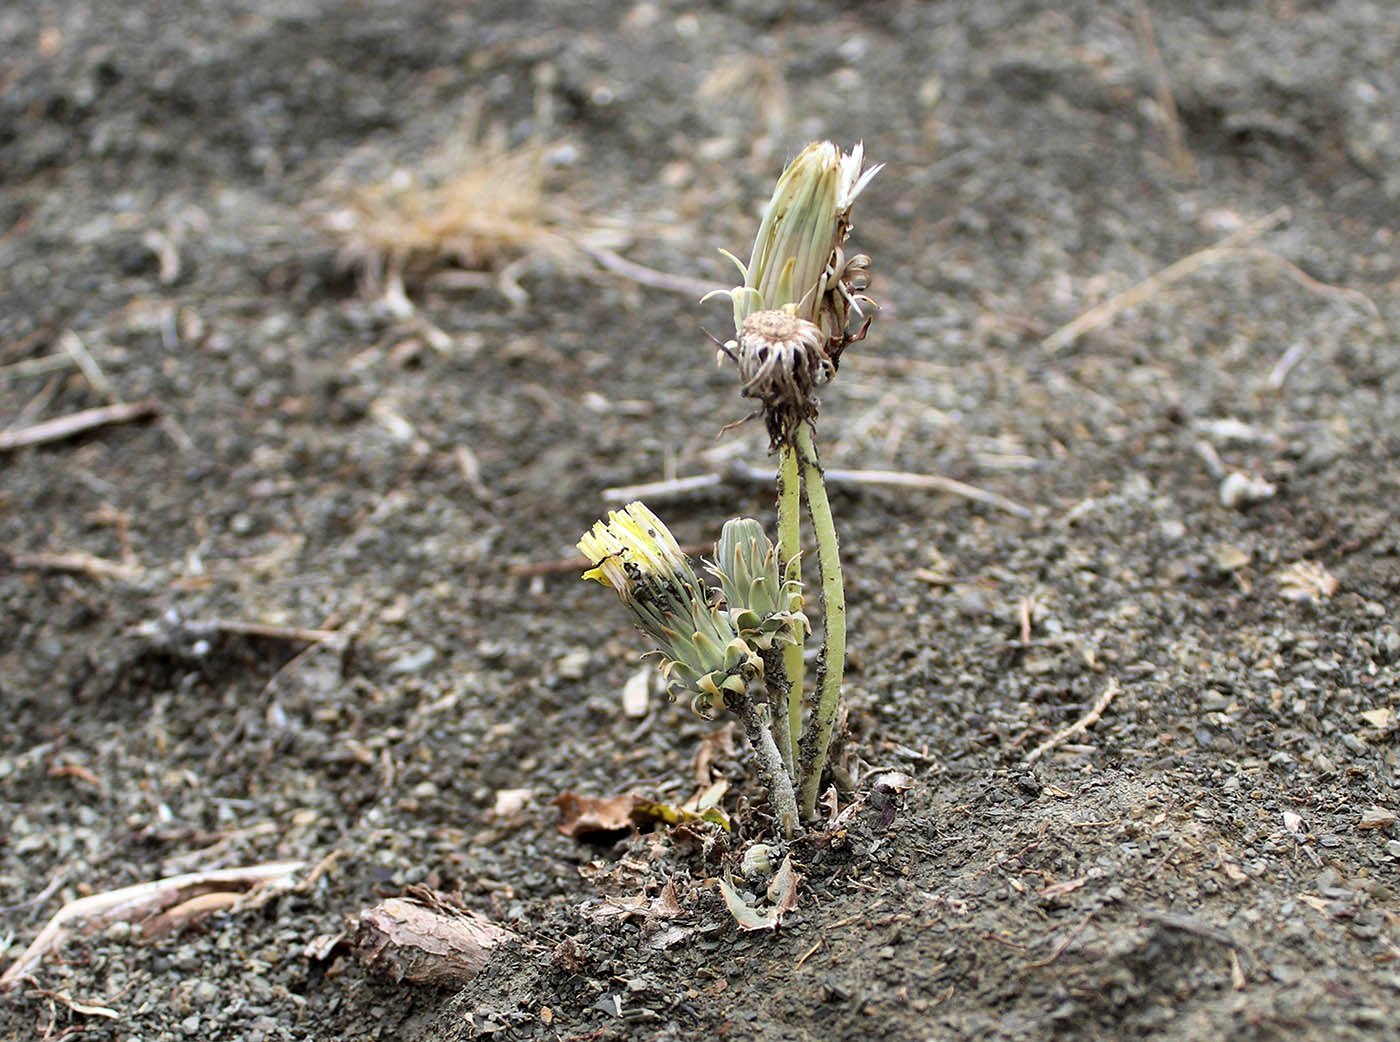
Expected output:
(790, 552)
(817, 741)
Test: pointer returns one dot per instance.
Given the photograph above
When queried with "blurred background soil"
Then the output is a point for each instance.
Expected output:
(411, 284)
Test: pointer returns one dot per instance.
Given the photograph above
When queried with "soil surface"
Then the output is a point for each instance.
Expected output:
(1214, 855)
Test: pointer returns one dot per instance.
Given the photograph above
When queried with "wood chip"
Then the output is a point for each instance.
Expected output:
(425, 938)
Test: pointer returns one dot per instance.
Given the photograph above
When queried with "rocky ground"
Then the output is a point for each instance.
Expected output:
(1214, 856)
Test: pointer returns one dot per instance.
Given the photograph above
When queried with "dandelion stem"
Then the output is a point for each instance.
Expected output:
(775, 681)
(817, 741)
(780, 792)
(790, 552)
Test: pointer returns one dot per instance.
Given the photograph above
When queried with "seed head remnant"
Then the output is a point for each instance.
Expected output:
(802, 295)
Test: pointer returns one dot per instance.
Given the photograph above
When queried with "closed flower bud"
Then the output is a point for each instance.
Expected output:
(762, 598)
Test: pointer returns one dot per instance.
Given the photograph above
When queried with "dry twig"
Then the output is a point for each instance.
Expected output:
(1081, 725)
(74, 347)
(614, 262)
(40, 366)
(262, 630)
(79, 562)
(1135, 296)
(1060, 948)
(682, 488)
(77, 423)
(139, 903)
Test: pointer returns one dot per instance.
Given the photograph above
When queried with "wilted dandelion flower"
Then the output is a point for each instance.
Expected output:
(793, 314)
(700, 649)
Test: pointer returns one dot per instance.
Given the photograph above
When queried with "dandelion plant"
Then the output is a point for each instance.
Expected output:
(801, 304)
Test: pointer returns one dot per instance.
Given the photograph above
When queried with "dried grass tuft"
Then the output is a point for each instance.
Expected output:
(477, 205)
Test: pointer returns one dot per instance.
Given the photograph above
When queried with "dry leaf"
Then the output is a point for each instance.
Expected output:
(1230, 558)
(782, 897)
(782, 891)
(581, 815)
(648, 810)
(668, 903)
(425, 939)
(712, 746)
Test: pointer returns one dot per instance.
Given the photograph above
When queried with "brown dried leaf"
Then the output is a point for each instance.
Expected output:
(782, 891)
(581, 815)
(667, 904)
(441, 945)
(713, 745)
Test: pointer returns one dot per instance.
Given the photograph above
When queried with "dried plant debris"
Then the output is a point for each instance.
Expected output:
(781, 894)
(599, 818)
(424, 937)
(1239, 490)
(158, 908)
(478, 204)
(1306, 581)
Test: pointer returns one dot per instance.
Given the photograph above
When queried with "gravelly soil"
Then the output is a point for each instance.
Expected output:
(1215, 857)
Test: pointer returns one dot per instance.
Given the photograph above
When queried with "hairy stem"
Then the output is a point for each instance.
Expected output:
(790, 552)
(780, 792)
(817, 741)
(775, 681)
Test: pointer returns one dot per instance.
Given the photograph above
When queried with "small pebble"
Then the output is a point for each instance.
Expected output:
(1238, 491)
(574, 665)
(119, 932)
(413, 661)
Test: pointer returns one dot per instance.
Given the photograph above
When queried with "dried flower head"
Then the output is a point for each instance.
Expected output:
(700, 648)
(782, 360)
(799, 268)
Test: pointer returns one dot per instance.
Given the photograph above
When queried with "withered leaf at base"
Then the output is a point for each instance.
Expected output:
(433, 943)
